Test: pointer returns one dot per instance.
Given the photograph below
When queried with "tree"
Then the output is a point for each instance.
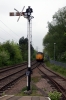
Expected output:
(23, 43)
(10, 53)
(56, 34)
(4, 58)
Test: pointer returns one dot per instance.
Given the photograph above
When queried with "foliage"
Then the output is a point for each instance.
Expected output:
(55, 95)
(23, 43)
(12, 53)
(56, 34)
(58, 69)
(9, 53)
(4, 57)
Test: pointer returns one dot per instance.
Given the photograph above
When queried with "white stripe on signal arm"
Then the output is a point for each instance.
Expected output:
(14, 13)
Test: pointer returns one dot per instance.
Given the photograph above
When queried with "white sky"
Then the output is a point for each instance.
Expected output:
(43, 10)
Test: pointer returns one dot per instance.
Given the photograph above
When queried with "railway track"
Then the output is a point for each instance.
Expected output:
(58, 81)
(13, 66)
(8, 76)
(12, 69)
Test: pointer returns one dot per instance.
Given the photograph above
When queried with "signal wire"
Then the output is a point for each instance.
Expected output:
(7, 32)
(2, 38)
(8, 27)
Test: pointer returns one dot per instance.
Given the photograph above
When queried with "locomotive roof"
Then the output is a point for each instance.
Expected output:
(40, 52)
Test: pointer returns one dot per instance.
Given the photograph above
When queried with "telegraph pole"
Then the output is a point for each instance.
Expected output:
(54, 51)
(28, 16)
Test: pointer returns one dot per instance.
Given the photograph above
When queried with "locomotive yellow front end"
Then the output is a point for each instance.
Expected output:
(39, 56)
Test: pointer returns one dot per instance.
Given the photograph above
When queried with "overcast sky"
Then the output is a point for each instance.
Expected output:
(43, 10)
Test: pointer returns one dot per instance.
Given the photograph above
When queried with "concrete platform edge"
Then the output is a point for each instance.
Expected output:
(6, 95)
(13, 95)
(48, 98)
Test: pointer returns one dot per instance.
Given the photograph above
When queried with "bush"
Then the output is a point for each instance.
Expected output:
(4, 57)
(10, 54)
(55, 95)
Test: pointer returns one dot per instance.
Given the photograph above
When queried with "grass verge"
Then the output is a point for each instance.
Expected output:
(33, 93)
(58, 69)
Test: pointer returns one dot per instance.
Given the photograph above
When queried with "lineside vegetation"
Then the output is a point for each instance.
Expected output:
(58, 69)
(13, 53)
(55, 40)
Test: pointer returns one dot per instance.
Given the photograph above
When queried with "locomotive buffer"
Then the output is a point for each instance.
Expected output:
(28, 16)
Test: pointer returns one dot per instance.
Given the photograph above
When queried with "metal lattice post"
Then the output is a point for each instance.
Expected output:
(30, 30)
(29, 57)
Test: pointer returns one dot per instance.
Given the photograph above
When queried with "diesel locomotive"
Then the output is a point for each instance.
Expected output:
(39, 57)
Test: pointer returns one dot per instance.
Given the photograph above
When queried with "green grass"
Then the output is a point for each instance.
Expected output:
(59, 69)
(33, 93)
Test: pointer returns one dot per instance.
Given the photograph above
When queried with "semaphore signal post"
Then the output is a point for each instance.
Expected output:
(28, 16)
